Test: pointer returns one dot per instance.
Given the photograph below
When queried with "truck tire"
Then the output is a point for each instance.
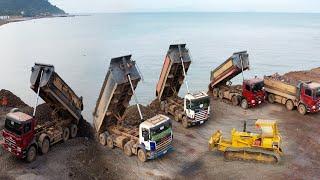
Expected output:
(45, 146)
(289, 105)
(302, 109)
(271, 98)
(103, 139)
(65, 134)
(235, 100)
(142, 155)
(185, 122)
(73, 130)
(215, 92)
(110, 142)
(31, 154)
(127, 149)
(221, 92)
(244, 104)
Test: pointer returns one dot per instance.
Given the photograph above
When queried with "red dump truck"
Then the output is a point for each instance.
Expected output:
(23, 136)
(151, 139)
(194, 108)
(249, 94)
(303, 95)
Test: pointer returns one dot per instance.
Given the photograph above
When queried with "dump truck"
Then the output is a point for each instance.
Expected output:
(250, 94)
(24, 136)
(303, 95)
(264, 146)
(194, 108)
(153, 137)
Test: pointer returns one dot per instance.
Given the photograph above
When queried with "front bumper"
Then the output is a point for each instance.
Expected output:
(14, 151)
(158, 154)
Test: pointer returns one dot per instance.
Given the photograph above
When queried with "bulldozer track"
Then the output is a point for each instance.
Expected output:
(252, 154)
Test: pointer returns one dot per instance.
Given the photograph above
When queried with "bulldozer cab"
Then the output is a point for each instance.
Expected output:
(268, 127)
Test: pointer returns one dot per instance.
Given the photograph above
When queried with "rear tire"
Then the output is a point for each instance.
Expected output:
(235, 100)
(110, 142)
(244, 104)
(302, 109)
(127, 149)
(271, 98)
(45, 146)
(289, 105)
(142, 156)
(185, 122)
(31, 154)
(66, 134)
(73, 130)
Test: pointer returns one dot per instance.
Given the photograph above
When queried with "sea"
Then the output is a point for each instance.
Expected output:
(81, 47)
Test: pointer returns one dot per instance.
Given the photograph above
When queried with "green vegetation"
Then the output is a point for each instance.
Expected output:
(29, 8)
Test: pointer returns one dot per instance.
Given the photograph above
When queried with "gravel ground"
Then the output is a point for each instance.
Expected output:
(82, 158)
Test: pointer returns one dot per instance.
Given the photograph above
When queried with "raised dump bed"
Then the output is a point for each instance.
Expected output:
(172, 76)
(230, 68)
(54, 90)
(116, 92)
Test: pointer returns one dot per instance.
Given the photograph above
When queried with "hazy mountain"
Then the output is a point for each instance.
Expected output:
(28, 8)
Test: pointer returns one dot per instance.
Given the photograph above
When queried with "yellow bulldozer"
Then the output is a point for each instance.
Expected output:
(264, 146)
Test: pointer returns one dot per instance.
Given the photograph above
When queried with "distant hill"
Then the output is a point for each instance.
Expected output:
(28, 8)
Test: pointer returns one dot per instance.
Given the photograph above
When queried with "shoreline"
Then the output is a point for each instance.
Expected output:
(19, 19)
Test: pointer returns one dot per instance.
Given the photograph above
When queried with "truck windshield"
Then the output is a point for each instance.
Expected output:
(202, 103)
(13, 126)
(158, 130)
(257, 87)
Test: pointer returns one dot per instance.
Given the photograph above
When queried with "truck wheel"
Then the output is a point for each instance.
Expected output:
(235, 100)
(289, 105)
(127, 149)
(302, 109)
(103, 139)
(271, 98)
(31, 154)
(66, 134)
(110, 142)
(142, 155)
(221, 94)
(244, 104)
(215, 92)
(73, 130)
(185, 122)
(45, 146)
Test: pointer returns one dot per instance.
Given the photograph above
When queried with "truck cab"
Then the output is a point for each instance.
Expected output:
(310, 97)
(18, 133)
(253, 92)
(155, 135)
(197, 107)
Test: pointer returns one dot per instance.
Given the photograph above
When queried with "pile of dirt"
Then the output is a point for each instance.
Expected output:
(132, 117)
(285, 78)
(310, 75)
(8, 99)
(85, 129)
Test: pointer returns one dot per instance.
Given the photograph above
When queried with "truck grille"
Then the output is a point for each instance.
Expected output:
(10, 142)
(201, 115)
(164, 143)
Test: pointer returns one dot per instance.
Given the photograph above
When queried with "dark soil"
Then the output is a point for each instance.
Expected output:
(8, 99)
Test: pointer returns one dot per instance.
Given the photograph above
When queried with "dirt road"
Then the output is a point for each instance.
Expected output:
(82, 158)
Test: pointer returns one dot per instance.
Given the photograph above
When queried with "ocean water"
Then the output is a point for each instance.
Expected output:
(81, 47)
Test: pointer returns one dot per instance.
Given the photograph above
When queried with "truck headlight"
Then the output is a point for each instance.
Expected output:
(313, 107)
(253, 101)
(18, 149)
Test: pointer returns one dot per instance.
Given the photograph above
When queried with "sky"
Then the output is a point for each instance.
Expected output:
(100, 6)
